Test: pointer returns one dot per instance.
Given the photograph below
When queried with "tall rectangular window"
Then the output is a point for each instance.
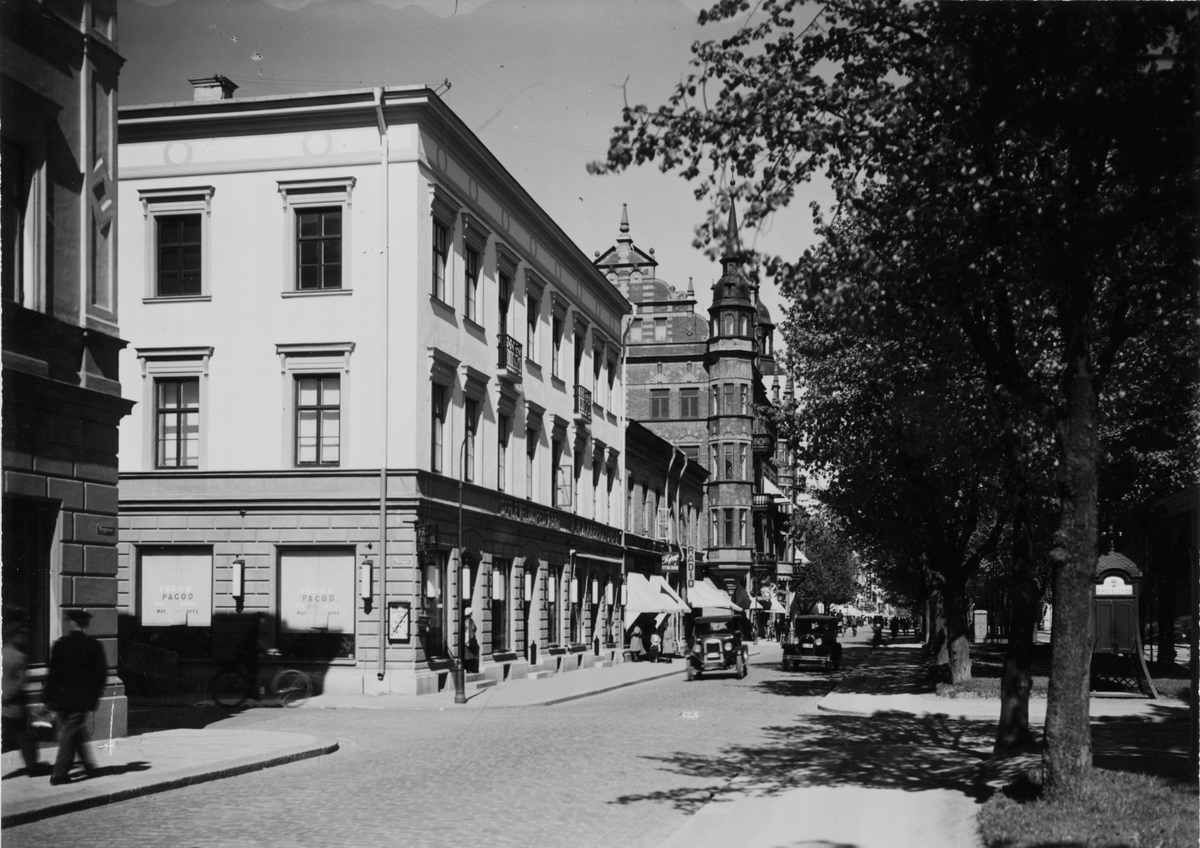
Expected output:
(556, 339)
(741, 464)
(597, 379)
(610, 395)
(178, 255)
(729, 409)
(471, 287)
(441, 240)
(729, 528)
(689, 403)
(660, 329)
(531, 438)
(745, 399)
(502, 453)
(531, 322)
(438, 426)
(318, 420)
(504, 295)
(470, 409)
(742, 527)
(635, 331)
(177, 425)
(554, 581)
(727, 472)
(716, 401)
(318, 248)
(660, 403)
(501, 583)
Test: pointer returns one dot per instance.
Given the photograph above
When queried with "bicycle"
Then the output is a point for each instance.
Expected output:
(232, 686)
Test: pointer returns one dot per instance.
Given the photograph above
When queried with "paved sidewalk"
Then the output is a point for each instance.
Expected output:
(889, 681)
(892, 765)
(152, 762)
(168, 759)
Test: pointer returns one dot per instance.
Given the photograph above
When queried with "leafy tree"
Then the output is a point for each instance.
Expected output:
(832, 571)
(1026, 168)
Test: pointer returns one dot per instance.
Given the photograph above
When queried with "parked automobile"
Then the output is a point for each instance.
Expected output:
(812, 641)
(718, 646)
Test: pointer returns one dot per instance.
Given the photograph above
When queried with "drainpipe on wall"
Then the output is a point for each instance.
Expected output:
(383, 417)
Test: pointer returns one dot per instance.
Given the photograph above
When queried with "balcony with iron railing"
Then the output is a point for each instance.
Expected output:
(508, 358)
(583, 405)
(764, 558)
(762, 501)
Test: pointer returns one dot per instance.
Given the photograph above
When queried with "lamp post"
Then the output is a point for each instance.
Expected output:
(459, 671)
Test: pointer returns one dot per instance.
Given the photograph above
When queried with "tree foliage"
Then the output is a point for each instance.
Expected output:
(832, 571)
(1024, 171)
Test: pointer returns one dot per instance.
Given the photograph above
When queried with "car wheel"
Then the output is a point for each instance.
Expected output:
(739, 667)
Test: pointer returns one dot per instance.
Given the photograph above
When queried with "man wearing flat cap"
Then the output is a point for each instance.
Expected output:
(78, 670)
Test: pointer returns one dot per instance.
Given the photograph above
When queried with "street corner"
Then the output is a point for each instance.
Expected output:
(135, 766)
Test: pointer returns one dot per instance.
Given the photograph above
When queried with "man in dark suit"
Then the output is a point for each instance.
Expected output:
(78, 670)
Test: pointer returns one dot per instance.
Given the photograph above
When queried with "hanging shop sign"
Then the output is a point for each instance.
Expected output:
(427, 538)
(670, 563)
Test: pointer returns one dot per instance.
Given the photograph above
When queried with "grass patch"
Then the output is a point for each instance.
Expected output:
(987, 687)
(1113, 810)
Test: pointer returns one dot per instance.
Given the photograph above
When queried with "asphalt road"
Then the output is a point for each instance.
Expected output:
(624, 768)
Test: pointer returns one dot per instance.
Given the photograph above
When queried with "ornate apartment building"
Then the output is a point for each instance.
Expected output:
(703, 385)
(379, 396)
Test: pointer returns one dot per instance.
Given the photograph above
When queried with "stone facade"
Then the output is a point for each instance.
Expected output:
(62, 399)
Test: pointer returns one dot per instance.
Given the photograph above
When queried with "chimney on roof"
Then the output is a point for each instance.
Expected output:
(215, 87)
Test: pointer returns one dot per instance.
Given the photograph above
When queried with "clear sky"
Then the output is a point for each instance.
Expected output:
(541, 82)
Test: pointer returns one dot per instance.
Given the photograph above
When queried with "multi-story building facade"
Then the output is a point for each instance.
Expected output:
(62, 400)
(664, 512)
(700, 385)
(379, 395)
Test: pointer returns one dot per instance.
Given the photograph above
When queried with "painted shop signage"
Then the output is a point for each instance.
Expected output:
(427, 538)
(553, 519)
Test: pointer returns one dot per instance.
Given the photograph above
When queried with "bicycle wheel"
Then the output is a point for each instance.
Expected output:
(228, 689)
(292, 687)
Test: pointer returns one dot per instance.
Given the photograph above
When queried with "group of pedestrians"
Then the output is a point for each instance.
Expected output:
(641, 649)
(77, 674)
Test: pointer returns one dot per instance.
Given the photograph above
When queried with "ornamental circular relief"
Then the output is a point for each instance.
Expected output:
(178, 152)
(473, 188)
(441, 158)
(318, 143)
(504, 222)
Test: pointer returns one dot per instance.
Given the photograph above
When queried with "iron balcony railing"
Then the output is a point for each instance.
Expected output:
(509, 356)
(583, 403)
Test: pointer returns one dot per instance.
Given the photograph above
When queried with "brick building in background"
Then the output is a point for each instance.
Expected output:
(703, 386)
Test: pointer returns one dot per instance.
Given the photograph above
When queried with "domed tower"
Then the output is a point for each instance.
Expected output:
(733, 376)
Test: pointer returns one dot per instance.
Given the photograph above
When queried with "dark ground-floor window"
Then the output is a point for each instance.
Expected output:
(501, 587)
(28, 537)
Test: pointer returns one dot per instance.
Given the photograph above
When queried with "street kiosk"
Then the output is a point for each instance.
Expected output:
(1118, 661)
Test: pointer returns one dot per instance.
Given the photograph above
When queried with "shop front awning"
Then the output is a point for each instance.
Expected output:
(704, 594)
(772, 606)
(649, 595)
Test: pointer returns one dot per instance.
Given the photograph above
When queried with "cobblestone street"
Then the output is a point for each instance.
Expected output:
(617, 769)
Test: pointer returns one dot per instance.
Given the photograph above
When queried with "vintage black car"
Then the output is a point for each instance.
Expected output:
(812, 641)
(718, 646)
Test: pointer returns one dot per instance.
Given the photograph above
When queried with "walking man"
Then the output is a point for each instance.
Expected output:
(78, 670)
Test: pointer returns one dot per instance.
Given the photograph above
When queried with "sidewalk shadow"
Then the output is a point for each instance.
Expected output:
(889, 750)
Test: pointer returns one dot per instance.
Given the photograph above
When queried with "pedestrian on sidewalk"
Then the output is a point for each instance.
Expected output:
(655, 646)
(635, 643)
(78, 670)
(16, 717)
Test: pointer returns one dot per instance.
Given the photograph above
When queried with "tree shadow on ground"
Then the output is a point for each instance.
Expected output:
(889, 750)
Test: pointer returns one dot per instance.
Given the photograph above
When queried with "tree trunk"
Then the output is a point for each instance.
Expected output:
(1163, 585)
(939, 642)
(957, 607)
(1013, 731)
(1068, 756)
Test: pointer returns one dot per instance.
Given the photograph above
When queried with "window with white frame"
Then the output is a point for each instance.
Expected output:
(471, 427)
(471, 285)
(175, 404)
(531, 442)
(177, 422)
(177, 242)
(441, 247)
(532, 310)
(316, 388)
(317, 235)
(502, 431)
(318, 419)
(439, 401)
